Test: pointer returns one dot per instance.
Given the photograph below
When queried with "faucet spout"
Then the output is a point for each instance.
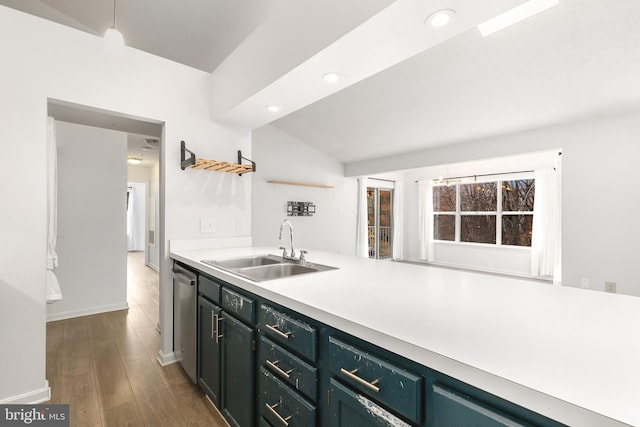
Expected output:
(292, 255)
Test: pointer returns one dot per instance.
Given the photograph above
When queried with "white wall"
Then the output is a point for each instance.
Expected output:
(42, 60)
(282, 157)
(599, 206)
(92, 244)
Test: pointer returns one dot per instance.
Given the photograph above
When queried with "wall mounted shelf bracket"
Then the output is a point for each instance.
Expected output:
(214, 165)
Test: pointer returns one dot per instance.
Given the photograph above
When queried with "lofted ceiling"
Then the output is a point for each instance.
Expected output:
(404, 88)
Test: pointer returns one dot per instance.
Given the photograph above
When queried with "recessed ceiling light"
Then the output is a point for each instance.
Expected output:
(134, 160)
(441, 18)
(515, 15)
(273, 108)
(331, 77)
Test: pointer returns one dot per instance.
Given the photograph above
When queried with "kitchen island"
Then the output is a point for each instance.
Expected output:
(569, 354)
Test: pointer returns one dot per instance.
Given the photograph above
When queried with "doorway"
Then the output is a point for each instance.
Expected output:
(380, 222)
(96, 233)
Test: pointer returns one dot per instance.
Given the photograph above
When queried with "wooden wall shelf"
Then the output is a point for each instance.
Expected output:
(192, 162)
(300, 184)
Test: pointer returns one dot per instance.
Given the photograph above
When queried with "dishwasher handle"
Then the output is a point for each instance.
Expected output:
(184, 276)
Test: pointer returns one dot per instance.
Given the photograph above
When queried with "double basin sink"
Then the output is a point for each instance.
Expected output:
(260, 268)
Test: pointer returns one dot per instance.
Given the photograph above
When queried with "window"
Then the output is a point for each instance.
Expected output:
(379, 215)
(494, 213)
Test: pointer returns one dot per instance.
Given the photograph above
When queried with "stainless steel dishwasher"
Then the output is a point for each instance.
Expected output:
(184, 318)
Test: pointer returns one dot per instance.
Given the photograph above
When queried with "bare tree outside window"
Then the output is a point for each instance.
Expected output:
(484, 214)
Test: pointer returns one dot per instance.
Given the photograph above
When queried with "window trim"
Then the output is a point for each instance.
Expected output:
(499, 213)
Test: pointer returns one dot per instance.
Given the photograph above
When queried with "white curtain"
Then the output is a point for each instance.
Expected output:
(397, 221)
(53, 287)
(546, 233)
(362, 232)
(425, 219)
(133, 228)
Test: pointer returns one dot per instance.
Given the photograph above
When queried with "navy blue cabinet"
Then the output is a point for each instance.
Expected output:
(209, 354)
(349, 409)
(226, 348)
(237, 371)
(281, 406)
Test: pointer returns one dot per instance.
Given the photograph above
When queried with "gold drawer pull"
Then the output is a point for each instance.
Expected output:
(352, 374)
(276, 331)
(271, 408)
(278, 369)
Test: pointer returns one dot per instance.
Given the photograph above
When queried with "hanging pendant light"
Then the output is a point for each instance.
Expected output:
(113, 40)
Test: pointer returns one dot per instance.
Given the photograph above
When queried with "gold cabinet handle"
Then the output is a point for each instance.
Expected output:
(352, 375)
(271, 408)
(217, 332)
(278, 369)
(278, 332)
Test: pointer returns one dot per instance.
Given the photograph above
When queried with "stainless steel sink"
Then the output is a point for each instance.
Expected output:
(252, 261)
(278, 271)
(260, 268)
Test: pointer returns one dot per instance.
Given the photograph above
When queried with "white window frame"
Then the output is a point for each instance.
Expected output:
(499, 213)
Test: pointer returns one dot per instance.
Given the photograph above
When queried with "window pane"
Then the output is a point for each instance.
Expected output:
(444, 198)
(384, 229)
(480, 197)
(518, 195)
(516, 230)
(478, 228)
(371, 207)
(444, 227)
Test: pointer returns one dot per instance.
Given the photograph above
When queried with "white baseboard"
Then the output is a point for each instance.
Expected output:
(30, 398)
(165, 359)
(153, 267)
(86, 312)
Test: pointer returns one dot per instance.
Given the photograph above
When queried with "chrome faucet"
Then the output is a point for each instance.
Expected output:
(284, 250)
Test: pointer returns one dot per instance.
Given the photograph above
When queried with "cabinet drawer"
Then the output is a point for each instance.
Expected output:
(238, 305)
(395, 387)
(288, 368)
(454, 408)
(209, 288)
(281, 406)
(348, 409)
(294, 334)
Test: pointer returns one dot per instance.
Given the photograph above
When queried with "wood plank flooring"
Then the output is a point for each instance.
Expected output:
(104, 366)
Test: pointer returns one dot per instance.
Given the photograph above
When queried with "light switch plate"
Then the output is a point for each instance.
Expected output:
(207, 225)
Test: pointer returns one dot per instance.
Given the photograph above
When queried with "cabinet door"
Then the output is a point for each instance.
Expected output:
(238, 384)
(453, 408)
(349, 409)
(209, 349)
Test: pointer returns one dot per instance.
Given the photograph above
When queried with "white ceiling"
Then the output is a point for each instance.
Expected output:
(577, 60)
(198, 33)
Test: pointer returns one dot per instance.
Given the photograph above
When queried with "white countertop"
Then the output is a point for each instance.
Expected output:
(552, 349)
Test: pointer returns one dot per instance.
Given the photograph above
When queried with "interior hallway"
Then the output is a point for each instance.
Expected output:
(104, 366)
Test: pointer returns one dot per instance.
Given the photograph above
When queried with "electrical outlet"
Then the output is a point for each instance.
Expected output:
(610, 287)
(207, 225)
(239, 225)
(584, 283)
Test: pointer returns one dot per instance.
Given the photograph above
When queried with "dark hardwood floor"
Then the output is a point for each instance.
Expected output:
(104, 366)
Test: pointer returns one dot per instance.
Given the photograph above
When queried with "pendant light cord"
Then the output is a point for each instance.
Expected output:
(115, 5)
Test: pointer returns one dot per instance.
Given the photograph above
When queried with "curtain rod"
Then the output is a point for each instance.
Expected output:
(482, 175)
(380, 179)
